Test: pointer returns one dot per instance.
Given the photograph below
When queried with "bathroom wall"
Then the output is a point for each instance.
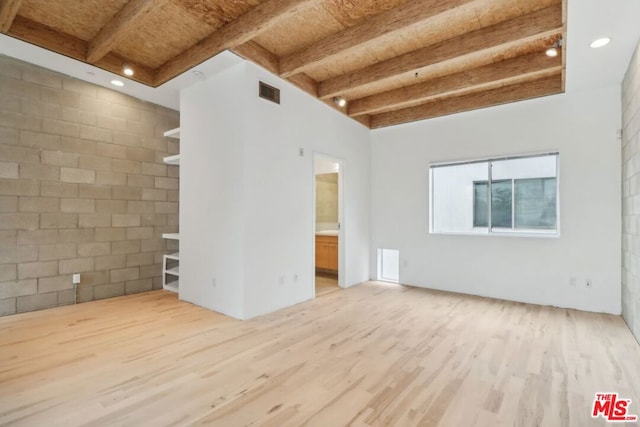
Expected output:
(327, 199)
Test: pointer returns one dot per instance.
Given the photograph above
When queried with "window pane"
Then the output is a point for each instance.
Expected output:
(536, 203)
(480, 205)
(501, 201)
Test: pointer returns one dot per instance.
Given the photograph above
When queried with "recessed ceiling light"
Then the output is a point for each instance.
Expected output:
(600, 42)
(339, 101)
(118, 83)
(127, 70)
(552, 51)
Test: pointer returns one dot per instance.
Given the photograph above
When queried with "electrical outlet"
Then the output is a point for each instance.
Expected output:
(588, 283)
(76, 278)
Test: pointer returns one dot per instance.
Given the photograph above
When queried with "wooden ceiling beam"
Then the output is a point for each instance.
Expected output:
(400, 19)
(526, 67)
(118, 28)
(257, 54)
(73, 47)
(8, 11)
(542, 23)
(243, 29)
(442, 107)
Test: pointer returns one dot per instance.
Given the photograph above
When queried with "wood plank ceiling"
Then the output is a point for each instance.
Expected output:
(393, 61)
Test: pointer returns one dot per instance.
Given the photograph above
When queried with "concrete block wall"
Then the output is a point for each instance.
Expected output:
(83, 189)
(631, 195)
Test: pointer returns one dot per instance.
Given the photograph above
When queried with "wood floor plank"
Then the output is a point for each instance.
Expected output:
(371, 355)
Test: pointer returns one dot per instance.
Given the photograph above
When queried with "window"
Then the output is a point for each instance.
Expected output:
(515, 194)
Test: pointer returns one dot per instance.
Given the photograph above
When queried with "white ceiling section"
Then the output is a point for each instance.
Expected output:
(586, 67)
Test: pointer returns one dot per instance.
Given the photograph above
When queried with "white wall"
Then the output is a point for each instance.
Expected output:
(582, 127)
(245, 188)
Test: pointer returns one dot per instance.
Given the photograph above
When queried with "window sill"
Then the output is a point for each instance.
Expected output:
(534, 234)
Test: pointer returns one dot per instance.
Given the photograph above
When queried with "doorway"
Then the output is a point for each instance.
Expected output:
(328, 242)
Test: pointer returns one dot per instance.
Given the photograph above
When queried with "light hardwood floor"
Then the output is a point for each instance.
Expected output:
(326, 283)
(371, 355)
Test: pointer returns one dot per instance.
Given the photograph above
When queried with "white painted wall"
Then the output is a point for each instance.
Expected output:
(582, 127)
(247, 197)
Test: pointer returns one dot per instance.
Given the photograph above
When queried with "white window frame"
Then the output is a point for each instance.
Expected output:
(497, 232)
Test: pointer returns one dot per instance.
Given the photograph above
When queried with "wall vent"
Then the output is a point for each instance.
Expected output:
(269, 93)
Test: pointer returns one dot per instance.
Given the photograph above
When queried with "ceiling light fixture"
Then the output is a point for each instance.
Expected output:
(118, 83)
(340, 101)
(553, 50)
(603, 41)
(127, 70)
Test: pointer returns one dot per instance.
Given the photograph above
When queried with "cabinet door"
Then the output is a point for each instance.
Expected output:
(322, 255)
(332, 255)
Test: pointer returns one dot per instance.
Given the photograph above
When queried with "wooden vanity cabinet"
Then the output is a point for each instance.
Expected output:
(327, 253)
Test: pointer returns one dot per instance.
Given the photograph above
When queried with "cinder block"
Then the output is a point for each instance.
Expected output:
(135, 286)
(166, 183)
(125, 220)
(8, 272)
(94, 163)
(111, 123)
(36, 302)
(58, 189)
(40, 109)
(8, 237)
(166, 207)
(111, 150)
(87, 191)
(78, 146)
(42, 77)
(93, 278)
(173, 195)
(127, 139)
(19, 187)
(78, 235)
(111, 206)
(59, 158)
(39, 140)
(141, 154)
(111, 178)
(136, 260)
(7, 307)
(94, 249)
(110, 262)
(127, 193)
(150, 271)
(18, 254)
(57, 252)
(125, 112)
(153, 169)
(9, 170)
(110, 234)
(79, 176)
(126, 166)
(80, 87)
(20, 221)
(153, 220)
(65, 297)
(58, 220)
(134, 180)
(39, 204)
(34, 270)
(9, 204)
(55, 284)
(78, 205)
(95, 220)
(76, 115)
(59, 96)
(152, 245)
(38, 171)
(154, 194)
(78, 265)
(37, 237)
(108, 291)
(124, 274)
(125, 247)
(18, 288)
(140, 207)
(134, 233)
(59, 127)
(173, 171)
(19, 88)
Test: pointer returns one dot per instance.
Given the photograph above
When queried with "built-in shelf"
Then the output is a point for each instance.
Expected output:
(174, 236)
(173, 133)
(172, 160)
(172, 286)
(175, 271)
(174, 256)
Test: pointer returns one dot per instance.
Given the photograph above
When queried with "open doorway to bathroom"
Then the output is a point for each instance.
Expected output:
(327, 227)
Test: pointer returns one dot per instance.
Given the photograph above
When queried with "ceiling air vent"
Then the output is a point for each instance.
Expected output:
(269, 93)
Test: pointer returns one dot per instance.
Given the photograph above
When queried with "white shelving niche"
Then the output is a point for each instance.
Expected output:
(171, 262)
